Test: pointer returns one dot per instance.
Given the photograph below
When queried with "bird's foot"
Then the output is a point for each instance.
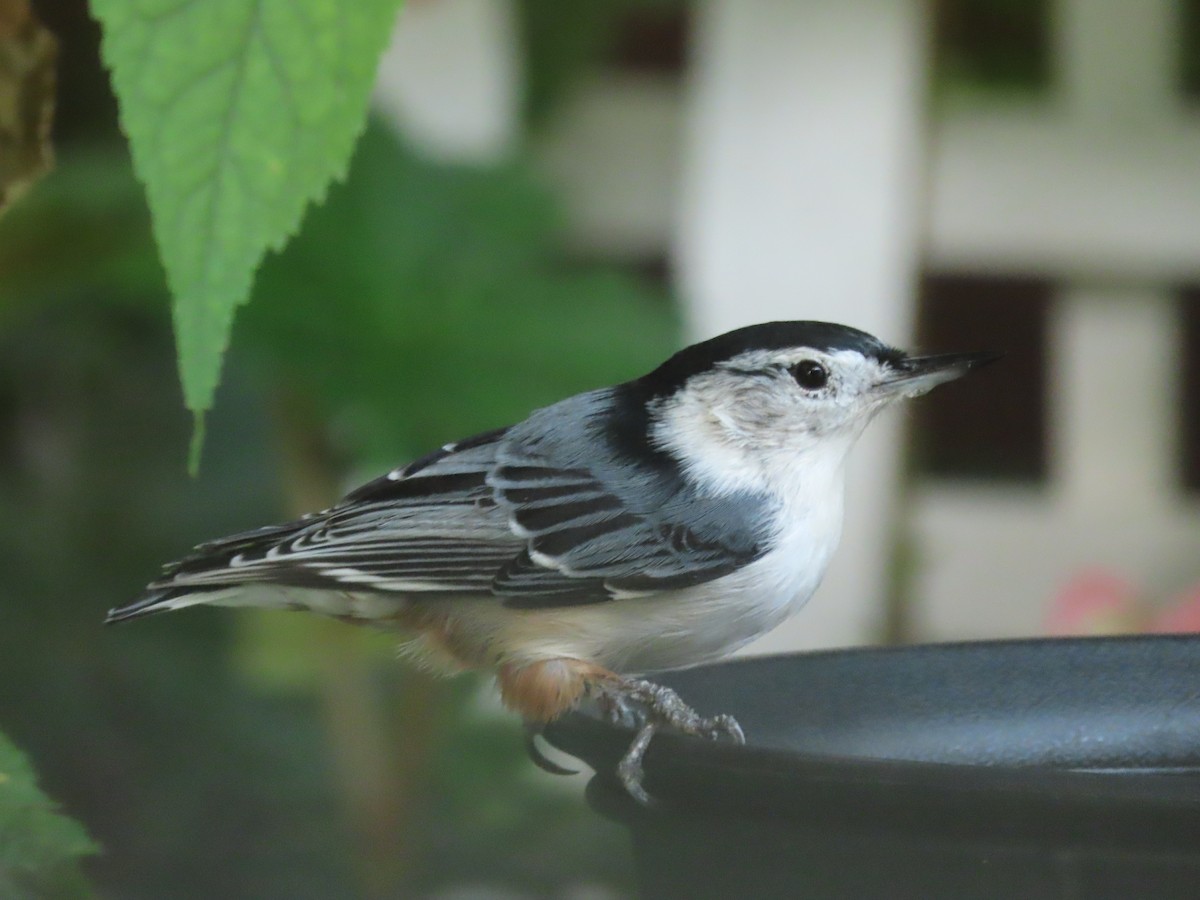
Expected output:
(647, 707)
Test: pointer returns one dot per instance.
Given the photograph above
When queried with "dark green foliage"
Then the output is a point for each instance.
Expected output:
(193, 783)
(1189, 49)
(564, 41)
(40, 848)
(994, 45)
(423, 304)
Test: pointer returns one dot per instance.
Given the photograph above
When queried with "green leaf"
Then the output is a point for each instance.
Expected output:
(40, 848)
(238, 113)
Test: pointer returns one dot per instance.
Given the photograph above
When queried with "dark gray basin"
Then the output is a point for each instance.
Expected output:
(1041, 768)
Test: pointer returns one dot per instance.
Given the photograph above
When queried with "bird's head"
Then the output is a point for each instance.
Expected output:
(769, 395)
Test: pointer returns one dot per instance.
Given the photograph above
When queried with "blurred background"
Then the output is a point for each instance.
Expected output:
(552, 197)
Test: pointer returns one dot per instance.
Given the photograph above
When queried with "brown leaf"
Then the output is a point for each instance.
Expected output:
(27, 55)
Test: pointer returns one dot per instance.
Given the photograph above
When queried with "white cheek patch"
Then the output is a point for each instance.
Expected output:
(723, 420)
(727, 421)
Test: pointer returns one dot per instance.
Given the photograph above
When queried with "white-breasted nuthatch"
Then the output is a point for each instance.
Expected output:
(660, 523)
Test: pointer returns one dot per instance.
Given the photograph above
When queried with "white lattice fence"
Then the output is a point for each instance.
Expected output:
(1098, 188)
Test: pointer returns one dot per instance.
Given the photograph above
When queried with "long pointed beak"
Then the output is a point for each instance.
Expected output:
(915, 375)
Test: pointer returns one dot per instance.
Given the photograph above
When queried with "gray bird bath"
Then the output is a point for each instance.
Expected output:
(1063, 768)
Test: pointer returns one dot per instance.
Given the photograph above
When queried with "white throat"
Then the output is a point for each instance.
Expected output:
(722, 457)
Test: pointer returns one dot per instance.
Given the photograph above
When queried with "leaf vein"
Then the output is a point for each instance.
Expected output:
(228, 119)
(276, 64)
(165, 15)
(193, 83)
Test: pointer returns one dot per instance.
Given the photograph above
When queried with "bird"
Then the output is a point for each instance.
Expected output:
(660, 523)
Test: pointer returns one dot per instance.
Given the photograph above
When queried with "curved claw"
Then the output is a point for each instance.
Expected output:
(730, 726)
(629, 769)
(539, 759)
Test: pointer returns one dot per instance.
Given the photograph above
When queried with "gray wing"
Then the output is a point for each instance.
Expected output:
(542, 514)
(599, 522)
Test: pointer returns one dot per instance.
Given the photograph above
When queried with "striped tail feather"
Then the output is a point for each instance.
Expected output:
(205, 576)
(164, 599)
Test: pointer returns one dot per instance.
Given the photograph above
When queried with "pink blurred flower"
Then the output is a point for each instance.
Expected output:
(1095, 601)
(1099, 601)
(1182, 615)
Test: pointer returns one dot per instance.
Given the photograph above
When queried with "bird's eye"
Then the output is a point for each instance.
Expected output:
(810, 374)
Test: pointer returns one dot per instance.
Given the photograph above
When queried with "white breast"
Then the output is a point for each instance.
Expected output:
(707, 622)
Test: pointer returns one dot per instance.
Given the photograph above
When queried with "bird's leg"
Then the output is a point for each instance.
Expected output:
(544, 690)
(646, 706)
(541, 692)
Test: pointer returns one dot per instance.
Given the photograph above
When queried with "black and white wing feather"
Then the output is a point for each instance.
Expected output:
(590, 544)
(547, 513)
